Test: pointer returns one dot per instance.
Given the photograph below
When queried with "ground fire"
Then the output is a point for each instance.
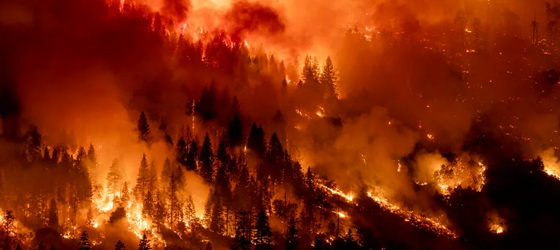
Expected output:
(251, 124)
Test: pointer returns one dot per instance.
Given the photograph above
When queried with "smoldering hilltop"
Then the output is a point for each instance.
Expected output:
(278, 124)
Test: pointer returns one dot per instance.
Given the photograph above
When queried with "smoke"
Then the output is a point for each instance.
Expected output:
(245, 17)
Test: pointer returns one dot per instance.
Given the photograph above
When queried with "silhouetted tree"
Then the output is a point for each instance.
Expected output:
(117, 215)
(143, 128)
(256, 141)
(84, 241)
(192, 156)
(120, 245)
(53, 215)
(148, 205)
(274, 158)
(205, 106)
(34, 143)
(181, 152)
(207, 159)
(142, 180)
(235, 132)
(328, 78)
(292, 238)
(242, 231)
(144, 243)
(263, 233)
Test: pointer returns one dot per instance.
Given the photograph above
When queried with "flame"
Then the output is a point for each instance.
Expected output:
(459, 174)
(420, 221)
(431, 137)
(348, 197)
(497, 229)
(550, 162)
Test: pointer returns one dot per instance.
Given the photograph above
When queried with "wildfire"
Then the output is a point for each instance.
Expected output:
(348, 197)
(431, 137)
(550, 162)
(421, 221)
(341, 215)
(496, 224)
(460, 174)
(497, 229)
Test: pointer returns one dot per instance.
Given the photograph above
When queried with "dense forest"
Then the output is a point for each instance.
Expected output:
(131, 124)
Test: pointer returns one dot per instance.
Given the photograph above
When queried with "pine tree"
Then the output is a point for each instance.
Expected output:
(159, 211)
(235, 131)
(181, 152)
(34, 143)
(222, 153)
(275, 158)
(207, 159)
(18, 247)
(142, 179)
(148, 205)
(243, 231)
(209, 246)
(47, 155)
(143, 128)
(172, 195)
(241, 192)
(144, 243)
(192, 156)
(120, 245)
(166, 171)
(114, 177)
(84, 241)
(152, 177)
(190, 211)
(205, 106)
(328, 78)
(263, 233)
(310, 70)
(53, 215)
(92, 156)
(256, 141)
(292, 238)
(125, 194)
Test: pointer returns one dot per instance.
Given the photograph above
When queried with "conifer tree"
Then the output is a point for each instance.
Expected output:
(53, 215)
(148, 205)
(142, 180)
(143, 128)
(243, 231)
(222, 153)
(193, 154)
(125, 194)
(120, 245)
(144, 243)
(114, 177)
(181, 152)
(292, 238)
(207, 159)
(328, 78)
(235, 132)
(263, 232)
(84, 241)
